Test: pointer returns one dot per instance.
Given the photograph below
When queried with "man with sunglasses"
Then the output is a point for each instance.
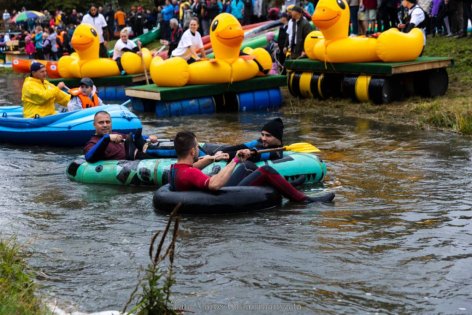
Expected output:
(85, 96)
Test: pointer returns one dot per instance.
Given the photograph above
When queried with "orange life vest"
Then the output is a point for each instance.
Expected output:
(86, 101)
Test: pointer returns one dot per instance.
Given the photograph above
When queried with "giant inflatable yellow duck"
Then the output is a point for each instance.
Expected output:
(85, 62)
(334, 44)
(226, 35)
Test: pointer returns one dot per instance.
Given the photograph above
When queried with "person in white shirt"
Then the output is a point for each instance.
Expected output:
(6, 20)
(190, 44)
(416, 18)
(98, 21)
(123, 45)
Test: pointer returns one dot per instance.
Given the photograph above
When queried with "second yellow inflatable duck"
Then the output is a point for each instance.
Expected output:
(335, 45)
(85, 62)
(226, 35)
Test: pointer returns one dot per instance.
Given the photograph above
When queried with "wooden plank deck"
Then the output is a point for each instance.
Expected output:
(108, 81)
(369, 68)
(154, 92)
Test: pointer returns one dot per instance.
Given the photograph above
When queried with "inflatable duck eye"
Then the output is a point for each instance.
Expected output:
(214, 26)
(341, 4)
(93, 31)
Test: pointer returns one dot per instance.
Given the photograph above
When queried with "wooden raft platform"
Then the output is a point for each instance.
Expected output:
(110, 89)
(157, 93)
(123, 80)
(379, 82)
(370, 68)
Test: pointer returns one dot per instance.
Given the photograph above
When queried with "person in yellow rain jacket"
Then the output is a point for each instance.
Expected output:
(39, 95)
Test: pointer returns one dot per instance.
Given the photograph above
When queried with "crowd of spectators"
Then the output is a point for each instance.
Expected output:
(444, 17)
(49, 36)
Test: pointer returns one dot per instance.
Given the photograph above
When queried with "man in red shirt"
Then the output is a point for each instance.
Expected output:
(186, 174)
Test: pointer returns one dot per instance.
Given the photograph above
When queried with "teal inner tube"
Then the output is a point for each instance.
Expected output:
(153, 172)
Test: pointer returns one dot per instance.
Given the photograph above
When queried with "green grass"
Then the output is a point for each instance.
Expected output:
(17, 289)
(452, 111)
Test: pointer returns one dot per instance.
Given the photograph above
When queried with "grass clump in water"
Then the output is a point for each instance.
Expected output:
(17, 289)
(156, 284)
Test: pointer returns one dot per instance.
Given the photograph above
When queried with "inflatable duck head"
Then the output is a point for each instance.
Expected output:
(226, 35)
(332, 18)
(85, 41)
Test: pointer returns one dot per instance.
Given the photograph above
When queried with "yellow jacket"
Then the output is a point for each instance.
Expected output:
(39, 97)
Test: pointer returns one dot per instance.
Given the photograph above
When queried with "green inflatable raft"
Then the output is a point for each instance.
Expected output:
(154, 172)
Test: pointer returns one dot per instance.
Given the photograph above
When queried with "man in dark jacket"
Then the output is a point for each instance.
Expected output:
(108, 145)
(300, 28)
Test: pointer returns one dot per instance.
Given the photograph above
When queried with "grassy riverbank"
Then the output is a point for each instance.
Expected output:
(17, 289)
(450, 112)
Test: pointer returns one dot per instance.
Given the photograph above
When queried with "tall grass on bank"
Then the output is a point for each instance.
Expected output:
(17, 289)
(154, 299)
(453, 111)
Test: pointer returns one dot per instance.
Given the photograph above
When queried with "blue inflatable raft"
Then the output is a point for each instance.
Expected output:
(64, 129)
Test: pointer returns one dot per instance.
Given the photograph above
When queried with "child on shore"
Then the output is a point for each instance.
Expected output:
(29, 47)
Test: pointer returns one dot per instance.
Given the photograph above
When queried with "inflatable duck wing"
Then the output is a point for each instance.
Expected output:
(226, 35)
(85, 62)
(335, 45)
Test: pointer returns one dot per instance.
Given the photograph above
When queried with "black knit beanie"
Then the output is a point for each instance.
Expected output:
(275, 127)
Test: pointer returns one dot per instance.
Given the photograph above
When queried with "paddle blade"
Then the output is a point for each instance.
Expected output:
(303, 147)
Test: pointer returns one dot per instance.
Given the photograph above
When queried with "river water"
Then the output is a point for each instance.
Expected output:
(396, 240)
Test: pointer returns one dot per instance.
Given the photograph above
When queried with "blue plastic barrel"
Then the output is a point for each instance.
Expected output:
(112, 93)
(260, 100)
(120, 93)
(203, 105)
(137, 104)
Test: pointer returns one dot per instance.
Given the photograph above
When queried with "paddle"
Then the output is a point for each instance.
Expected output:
(143, 63)
(302, 147)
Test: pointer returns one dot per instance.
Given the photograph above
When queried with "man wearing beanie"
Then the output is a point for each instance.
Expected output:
(271, 137)
(416, 18)
(39, 95)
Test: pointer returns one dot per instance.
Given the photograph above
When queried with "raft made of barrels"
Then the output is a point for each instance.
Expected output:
(154, 172)
(257, 94)
(379, 82)
(226, 200)
(109, 89)
(64, 129)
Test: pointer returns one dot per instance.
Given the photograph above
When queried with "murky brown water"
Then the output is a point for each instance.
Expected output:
(397, 240)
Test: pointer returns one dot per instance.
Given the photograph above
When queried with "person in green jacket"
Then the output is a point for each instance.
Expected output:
(39, 95)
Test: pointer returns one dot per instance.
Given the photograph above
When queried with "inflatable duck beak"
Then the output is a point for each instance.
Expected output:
(232, 35)
(325, 17)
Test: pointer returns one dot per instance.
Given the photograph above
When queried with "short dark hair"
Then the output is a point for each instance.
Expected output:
(184, 141)
(101, 112)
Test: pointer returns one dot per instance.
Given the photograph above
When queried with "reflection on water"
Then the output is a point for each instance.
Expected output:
(397, 239)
